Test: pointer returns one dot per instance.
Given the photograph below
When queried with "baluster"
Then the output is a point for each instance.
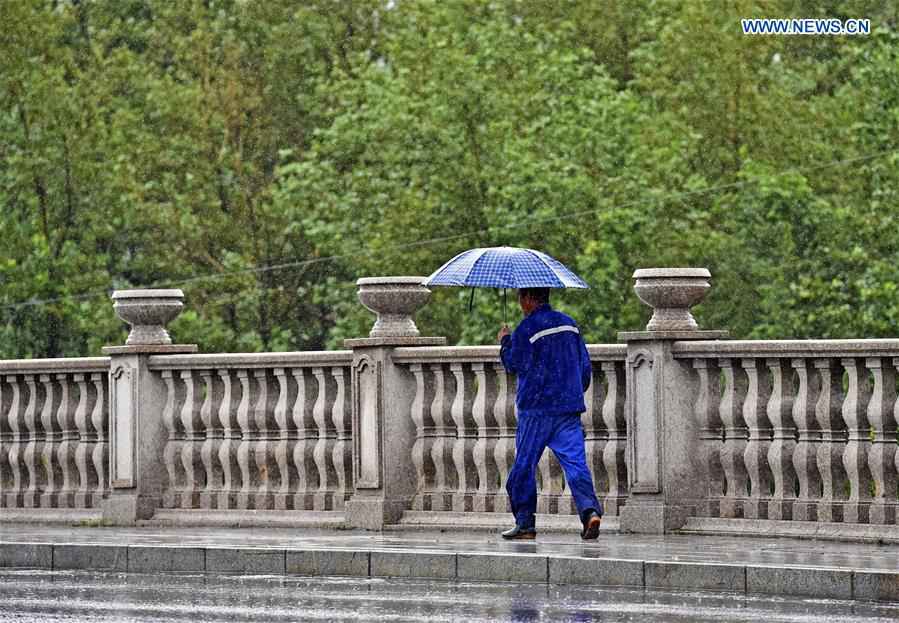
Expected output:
(780, 452)
(36, 483)
(855, 456)
(81, 434)
(5, 443)
(100, 424)
(307, 438)
(504, 451)
(324, 447)
(41, 443)
(613, 417)
(466, 433)
(227, 453)
(804, 454)
(172, 496)
(342, 457)
(758, 393)
(445, 480)
(421, 449)
(87, 443)
(711, 432)
(16, 419)
(65, 416)
(191, 446)
(595, 438)
(212, 440)
(485, 445)
(881, 458)
(248, 477)
(287, 434)
(45, 435)
(895, 420)
(263, 449)
(828, 413)
(735, 440)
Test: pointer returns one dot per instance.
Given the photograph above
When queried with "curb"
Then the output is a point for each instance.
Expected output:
(793, 581)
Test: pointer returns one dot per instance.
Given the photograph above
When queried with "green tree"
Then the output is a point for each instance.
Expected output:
(262, 156)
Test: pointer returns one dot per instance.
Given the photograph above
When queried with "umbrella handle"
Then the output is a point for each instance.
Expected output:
(471, 301)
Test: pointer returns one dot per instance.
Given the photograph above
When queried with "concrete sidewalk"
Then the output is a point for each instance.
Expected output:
(737, 564)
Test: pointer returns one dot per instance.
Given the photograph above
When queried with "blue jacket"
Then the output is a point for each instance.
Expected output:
(549, 356)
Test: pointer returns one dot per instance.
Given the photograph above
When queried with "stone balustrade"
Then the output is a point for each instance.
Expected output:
(54, 433)
(257, 432)
(683, 428)
(801, 430)
(464, 414)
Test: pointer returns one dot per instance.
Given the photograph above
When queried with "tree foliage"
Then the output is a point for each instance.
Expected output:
(264, 155)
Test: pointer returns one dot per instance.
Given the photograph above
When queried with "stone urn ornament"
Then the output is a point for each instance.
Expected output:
(147, 312)
(395, 301)
(671, 292)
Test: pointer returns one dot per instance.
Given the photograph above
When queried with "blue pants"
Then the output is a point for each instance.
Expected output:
(565, 437)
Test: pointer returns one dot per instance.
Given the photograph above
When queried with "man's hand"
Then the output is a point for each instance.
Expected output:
(502, 333)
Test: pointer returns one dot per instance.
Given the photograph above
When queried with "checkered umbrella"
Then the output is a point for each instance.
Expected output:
(504, 267)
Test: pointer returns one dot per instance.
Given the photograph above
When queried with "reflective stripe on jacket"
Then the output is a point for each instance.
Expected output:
(549, 356)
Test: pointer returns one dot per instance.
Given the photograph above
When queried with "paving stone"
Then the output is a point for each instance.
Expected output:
(692, 575)
(876, 585)
(246, 561)
(29, 555)
(595, 571)
(799, 582)
(328, 562)
(148, 559)
(440, 565)
(410, 553)
(92, 557)
(501, 567)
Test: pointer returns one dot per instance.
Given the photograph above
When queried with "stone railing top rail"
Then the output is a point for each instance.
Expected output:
(607, 352)
(298, 359)
(450, 354)
(54, 366)
(786, 348)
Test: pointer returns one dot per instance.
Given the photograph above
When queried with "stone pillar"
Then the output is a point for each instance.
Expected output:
(384, 477)
(137, 397)
(665, 472)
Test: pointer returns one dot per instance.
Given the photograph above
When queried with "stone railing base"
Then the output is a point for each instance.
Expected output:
(645, 517)
(844, 532)
(67, 516)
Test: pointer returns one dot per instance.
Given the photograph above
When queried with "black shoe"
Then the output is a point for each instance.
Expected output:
(591, 527)
(520, 534)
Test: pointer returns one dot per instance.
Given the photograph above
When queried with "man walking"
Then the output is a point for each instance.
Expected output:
(549, 356)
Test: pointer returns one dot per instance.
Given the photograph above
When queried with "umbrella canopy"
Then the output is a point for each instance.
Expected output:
(504, 267)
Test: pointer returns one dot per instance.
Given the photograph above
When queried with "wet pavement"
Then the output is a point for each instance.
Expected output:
(101, 597)
(676, 548)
